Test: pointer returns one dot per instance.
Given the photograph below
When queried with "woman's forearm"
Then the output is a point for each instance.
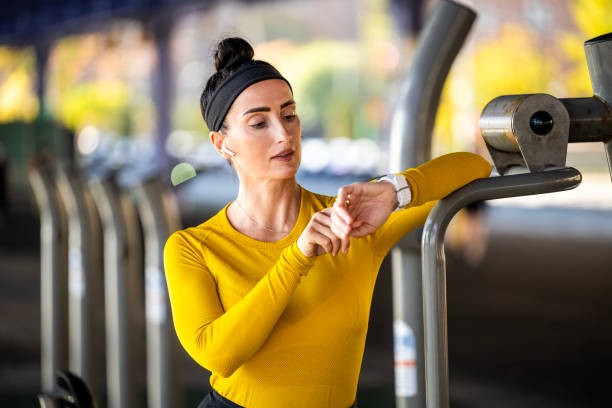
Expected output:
(223, 342)
(429, 182)
(437, 178)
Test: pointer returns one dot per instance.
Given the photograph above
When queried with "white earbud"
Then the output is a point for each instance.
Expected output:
(226, 150)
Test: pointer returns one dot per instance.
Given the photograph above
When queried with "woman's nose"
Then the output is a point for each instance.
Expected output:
(282, 132)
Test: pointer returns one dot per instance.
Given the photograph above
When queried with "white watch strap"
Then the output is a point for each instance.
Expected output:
(404, 194)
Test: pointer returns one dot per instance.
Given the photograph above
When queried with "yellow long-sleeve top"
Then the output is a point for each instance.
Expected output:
(279, 329)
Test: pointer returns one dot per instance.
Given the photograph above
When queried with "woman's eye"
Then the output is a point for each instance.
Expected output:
(290, 117)
(258, 125)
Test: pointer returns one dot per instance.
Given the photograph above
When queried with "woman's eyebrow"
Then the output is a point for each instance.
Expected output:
(289, 102)
(266, 109)
(261, 109)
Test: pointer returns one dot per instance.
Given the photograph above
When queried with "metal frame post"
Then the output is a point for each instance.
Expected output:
(85, 281)
(163, 86)
(53, 271)
(122, 283)
(434, 263)
(158, 211)
(411, 126)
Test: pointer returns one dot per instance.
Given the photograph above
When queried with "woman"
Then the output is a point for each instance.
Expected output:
(273, 293)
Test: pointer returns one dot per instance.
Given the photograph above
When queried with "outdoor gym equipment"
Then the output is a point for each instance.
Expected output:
(85, 281)
(524, 131)
(71, 244)
(122, 280)
(533, 130)
(158, 211)
(53, 271)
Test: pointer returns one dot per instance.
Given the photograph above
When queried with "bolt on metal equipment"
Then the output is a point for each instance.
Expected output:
(521, 131)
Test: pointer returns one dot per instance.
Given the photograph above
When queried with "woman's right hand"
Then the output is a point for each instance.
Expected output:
(318, 238)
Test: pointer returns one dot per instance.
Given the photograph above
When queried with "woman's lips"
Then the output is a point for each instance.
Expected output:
(284, 156)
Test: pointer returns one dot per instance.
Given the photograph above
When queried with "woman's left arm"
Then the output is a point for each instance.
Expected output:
(366, 208)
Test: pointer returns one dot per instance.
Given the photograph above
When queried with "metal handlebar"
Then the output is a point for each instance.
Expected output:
(434, 264)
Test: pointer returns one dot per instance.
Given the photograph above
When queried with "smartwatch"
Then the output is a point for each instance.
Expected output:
(404, 195)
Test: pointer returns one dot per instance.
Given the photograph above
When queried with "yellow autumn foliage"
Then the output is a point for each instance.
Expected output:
(593, 17)
(510, 63)
(18, 100)
(98, 103)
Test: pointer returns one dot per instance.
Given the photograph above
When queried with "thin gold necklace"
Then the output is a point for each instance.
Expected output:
(258, 224)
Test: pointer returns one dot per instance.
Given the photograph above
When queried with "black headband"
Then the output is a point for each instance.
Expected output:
(223, 97)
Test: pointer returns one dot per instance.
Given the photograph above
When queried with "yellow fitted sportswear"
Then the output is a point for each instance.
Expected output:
(278, 329)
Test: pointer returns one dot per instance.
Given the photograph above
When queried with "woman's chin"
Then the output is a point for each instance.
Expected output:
(285, 173)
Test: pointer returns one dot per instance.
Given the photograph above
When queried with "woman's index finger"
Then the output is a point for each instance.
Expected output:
(343, 194)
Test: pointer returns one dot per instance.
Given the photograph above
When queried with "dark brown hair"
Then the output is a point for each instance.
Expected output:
(229, 55)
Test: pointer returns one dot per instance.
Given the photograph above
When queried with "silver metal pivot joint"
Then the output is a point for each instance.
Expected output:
(527, 131)
(532, 131)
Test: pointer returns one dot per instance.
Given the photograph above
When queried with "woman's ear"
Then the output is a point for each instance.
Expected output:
(216, 138)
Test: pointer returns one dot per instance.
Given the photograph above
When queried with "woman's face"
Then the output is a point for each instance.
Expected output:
(264, 131)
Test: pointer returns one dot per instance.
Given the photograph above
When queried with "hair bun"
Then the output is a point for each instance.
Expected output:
(232, 52)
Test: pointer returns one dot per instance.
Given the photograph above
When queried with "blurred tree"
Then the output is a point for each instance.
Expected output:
(102, 79)
(510, 63)
(513, 63)
(325, 82)
(593, 18)
(95, 103)
(516, 61)
(18, 99)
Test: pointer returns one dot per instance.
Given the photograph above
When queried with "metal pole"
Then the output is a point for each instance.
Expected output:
(85, 282)
(158, 211)
(434, 264)
(599, 60)
(415, 112)
(163, 84)
(122, 281)
(598, 52)
(42, 49)
(411, 127)
(53, 265)
(590, 119)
